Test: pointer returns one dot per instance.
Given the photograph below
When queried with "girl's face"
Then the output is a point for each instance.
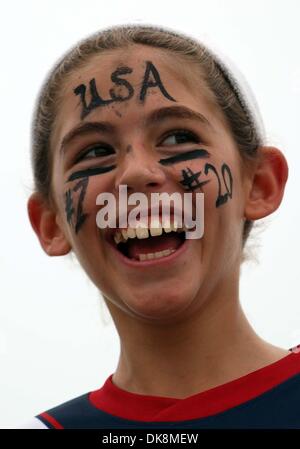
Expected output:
(140, 118)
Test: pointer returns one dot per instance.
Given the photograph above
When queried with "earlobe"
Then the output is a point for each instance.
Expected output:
(268, 183)
(43, 220)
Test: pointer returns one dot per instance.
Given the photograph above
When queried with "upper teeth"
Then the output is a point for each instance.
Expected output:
(123, 235)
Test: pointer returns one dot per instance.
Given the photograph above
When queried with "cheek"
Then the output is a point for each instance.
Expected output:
(79, 202)
(224, 222)
(220, 183)
(205, 177)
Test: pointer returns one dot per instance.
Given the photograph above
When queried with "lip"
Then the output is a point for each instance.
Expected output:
(166, 260)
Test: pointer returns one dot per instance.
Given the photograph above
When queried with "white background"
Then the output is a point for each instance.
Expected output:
(56, 340)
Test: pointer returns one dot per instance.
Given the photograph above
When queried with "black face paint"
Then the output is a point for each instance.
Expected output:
(191, 180)
(90, 172)
(80, 216)
(151, 69)
(121, 82)
(70, 210)
(193, 154)
(69, 206)
(222, 198)
(97, 101)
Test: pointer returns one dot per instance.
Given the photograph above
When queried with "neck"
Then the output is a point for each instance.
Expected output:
(211, 347)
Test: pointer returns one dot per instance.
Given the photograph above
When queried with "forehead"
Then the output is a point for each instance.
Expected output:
(136, 80)
(135, 57)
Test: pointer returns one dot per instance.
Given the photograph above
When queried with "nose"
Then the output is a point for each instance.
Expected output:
(140, 171)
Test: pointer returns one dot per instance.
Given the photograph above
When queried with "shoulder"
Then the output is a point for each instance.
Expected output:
(33, 423)
(60, 416)
(77, 412)
(74, 413)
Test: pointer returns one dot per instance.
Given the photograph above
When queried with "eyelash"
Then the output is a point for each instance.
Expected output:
(182, 132)
(110, 151)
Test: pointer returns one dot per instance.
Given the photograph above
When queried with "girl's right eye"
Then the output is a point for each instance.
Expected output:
(180, 136)
(95, 151)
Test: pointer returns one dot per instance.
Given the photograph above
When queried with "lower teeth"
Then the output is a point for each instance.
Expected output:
(156, 255)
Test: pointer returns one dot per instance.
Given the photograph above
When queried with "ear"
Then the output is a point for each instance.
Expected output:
(43, 219)
(268, 183)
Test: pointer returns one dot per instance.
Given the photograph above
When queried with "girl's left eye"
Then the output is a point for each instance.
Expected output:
(178, 137)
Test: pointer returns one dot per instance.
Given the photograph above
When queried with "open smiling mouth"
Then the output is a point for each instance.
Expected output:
(144, 244)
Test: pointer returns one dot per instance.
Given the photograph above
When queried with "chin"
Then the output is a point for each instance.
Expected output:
(159, 305)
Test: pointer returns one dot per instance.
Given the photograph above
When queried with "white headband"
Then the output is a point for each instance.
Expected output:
(242, 89)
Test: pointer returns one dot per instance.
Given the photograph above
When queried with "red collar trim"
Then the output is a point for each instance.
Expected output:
(124, 404)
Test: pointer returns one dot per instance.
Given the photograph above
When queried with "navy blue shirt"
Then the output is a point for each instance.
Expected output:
(266, 398)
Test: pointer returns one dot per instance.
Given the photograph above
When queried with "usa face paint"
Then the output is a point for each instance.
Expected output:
(151, 79)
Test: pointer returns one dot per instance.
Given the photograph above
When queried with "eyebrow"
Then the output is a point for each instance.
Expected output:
(155, 117)
(84, 129)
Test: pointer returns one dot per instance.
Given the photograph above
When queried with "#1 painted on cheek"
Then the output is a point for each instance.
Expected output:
(70, 210)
